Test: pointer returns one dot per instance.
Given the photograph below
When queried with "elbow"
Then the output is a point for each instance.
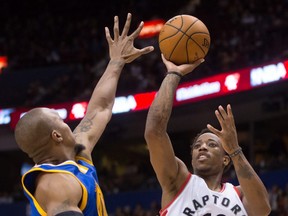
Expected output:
(152, 133)
(267, 209)
(109, 116)
(106, 115)
(155, 128)
(149, 133)
(150, 129)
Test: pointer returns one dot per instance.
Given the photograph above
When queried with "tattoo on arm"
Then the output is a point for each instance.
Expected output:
(86, 124)
(159, 116)
(161, 108)
(244, 170)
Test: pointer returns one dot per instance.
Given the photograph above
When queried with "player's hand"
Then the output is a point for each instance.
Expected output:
(122, 46)
(228, 133)
(182, 69)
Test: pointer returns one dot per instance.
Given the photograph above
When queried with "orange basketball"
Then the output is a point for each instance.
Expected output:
(184, 39)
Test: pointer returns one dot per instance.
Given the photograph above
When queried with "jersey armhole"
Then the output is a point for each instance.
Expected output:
(163, 211)
(238, 192)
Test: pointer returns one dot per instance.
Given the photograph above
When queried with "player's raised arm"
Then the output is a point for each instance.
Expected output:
(99, 111)
(170, 171)
(255, 196)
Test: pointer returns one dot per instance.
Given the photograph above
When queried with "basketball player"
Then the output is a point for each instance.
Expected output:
(64, 181)
(201, 193)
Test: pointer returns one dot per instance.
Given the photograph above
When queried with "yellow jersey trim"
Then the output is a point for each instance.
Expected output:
(38, 207)
(84, 159)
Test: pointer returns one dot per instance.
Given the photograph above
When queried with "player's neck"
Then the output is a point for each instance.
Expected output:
(50, 161)
(215, 187)
(213, 182)
(55, 159)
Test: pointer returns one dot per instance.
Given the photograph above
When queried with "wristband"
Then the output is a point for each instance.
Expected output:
(236, 152)
(70, 213)
(175, 73)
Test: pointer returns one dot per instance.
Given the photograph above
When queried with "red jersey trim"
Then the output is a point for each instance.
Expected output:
(238, 192)
(162, 211)
(222, 188)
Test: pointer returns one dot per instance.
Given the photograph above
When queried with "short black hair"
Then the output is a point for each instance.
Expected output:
(204, 130)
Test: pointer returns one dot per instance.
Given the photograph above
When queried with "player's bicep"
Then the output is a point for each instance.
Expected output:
(58, 192)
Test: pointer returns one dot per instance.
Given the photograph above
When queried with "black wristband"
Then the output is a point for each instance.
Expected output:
(236, 152)
(70, 213)
(175, 73)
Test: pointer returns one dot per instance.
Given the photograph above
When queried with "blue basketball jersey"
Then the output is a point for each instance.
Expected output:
(92, 202)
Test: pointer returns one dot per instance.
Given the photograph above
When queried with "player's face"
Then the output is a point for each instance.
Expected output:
(207, 154)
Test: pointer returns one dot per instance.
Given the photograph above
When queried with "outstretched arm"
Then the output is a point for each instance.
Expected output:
(255, 196)
(170, 171)
(99, 111)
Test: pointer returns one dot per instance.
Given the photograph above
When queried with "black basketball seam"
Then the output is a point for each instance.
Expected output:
(178, 30)
(196, 43)
(200, 33)
(184, 33)
(171, 34)
(187, 53)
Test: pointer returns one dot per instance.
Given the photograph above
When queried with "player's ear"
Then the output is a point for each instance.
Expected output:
(56, 136)
(226, 160)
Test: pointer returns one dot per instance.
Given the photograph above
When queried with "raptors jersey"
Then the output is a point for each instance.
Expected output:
(92, 202)
(195, 198)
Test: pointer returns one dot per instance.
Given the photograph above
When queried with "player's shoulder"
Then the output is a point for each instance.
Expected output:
(57, 191)
(56, 182)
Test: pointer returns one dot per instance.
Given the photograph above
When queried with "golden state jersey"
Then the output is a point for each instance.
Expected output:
(92, 202)
(196, 199)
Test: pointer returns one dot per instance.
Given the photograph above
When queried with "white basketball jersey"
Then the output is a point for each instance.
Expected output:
(196, 199)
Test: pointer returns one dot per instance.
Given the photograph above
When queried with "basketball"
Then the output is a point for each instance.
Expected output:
(184, 39)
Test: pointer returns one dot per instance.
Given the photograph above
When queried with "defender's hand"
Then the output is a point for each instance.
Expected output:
(122, 46)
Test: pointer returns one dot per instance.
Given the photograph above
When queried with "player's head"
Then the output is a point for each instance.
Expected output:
(208, 155)
(41, 132)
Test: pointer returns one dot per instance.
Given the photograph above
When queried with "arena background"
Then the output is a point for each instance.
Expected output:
(56, 52)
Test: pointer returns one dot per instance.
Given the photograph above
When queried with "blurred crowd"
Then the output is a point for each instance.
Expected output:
(278, 200)
(243, 33)
(138, 210)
